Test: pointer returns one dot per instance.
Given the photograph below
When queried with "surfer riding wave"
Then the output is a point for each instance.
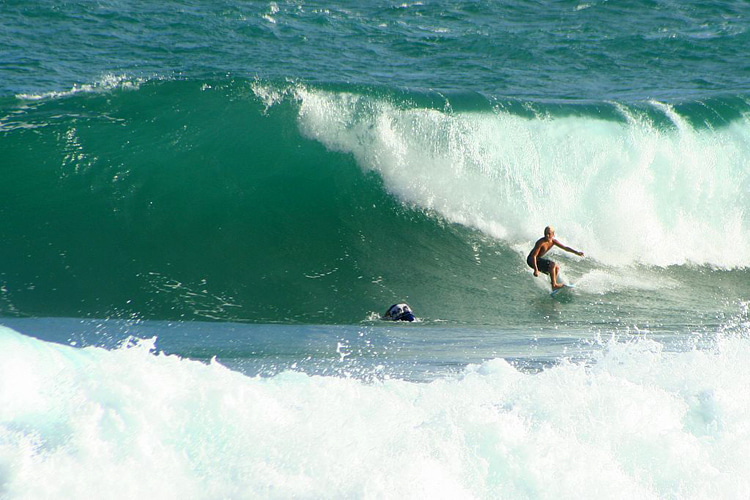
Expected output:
(541, 247)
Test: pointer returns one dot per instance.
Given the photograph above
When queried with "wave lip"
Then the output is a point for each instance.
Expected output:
(644, 186)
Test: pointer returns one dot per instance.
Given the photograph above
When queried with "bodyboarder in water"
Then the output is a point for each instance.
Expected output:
(542, 246)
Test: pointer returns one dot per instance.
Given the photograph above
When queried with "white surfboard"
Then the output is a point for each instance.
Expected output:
(564, 290)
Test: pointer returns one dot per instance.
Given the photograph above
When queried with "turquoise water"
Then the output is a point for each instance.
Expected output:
(206, 208)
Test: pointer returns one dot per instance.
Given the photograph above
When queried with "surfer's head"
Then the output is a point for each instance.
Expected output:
(549, 232)
(400, 312)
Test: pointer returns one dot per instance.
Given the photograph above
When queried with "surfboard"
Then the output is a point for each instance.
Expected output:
(565, 290)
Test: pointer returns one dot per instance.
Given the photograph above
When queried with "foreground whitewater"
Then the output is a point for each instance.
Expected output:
(633, 419)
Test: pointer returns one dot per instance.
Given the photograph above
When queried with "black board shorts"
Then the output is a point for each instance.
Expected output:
(544, 265)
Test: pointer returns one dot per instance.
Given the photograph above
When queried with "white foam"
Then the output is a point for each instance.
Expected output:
(106, 83)
(623, 192)
(602, 281)
(639, 423)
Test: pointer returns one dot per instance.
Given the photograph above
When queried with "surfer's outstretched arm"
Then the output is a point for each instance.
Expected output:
(567, 249)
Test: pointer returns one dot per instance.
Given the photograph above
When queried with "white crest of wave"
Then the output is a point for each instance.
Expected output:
(127, 423)
(624, 192)
(106, 83)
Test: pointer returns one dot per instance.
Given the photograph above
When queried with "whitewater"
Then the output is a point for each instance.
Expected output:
(635, 421)
(625, 189)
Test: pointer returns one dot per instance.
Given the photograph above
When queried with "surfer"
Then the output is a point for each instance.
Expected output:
(542, 246)
(400, 312)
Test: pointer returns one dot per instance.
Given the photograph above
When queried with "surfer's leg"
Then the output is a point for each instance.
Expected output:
(553, 276)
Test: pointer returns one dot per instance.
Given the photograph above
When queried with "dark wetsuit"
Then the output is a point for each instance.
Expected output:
(544, 265)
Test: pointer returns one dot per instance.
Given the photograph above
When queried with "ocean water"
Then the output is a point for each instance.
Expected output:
(206, 207)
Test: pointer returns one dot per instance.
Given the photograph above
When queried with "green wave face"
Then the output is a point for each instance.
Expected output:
(174, 202)
(249, 201)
